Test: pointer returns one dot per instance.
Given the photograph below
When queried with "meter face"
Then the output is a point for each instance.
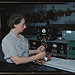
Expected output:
(43, 30)
(54, 45)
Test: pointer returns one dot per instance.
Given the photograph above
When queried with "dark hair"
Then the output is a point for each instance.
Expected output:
(14, 19)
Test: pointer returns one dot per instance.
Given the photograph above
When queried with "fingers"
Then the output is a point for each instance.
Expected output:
(41, 55)
(39, 62)
(42, 48)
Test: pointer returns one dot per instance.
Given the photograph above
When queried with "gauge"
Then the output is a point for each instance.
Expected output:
(34, 43)
(54, 45)
(43, 30)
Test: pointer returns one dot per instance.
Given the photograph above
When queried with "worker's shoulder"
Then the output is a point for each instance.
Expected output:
(7, 38)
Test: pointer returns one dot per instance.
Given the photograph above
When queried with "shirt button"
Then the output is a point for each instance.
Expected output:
(21, 47)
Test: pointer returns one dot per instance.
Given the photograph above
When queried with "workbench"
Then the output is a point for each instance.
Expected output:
(62, 64)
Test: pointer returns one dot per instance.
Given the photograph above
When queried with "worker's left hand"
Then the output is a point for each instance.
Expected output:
(39, 62)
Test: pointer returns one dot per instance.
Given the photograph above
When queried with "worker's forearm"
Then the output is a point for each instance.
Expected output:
(33, 51)
(22, 60)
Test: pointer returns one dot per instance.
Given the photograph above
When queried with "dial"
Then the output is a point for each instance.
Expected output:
(34, 43)
(43, 30)
(54, 45)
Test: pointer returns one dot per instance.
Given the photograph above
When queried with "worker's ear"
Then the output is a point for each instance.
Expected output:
(15, 25)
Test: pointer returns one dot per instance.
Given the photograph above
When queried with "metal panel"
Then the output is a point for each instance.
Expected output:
(68, 34)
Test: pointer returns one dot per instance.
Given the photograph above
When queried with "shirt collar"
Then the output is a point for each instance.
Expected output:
(12, 34)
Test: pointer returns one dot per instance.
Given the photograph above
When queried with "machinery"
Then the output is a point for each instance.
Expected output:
(59, 48)
(71, 50)
(34, 44)
(63, 47)
(68, 34)
(47, 33)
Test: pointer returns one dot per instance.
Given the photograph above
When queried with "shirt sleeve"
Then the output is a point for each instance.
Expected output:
(8, 48)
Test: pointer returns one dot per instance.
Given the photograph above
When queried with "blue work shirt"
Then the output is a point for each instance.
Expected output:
(12, 46)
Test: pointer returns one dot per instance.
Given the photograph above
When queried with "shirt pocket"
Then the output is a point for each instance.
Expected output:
(20, 52)
(20, 49)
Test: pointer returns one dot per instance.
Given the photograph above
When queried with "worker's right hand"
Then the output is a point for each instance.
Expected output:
(41, 55)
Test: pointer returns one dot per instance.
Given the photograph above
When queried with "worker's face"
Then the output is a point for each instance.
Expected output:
(21, 26)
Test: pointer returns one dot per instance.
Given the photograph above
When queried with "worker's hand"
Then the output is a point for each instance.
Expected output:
(41, 55)
(39, 62)
(40, 49)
